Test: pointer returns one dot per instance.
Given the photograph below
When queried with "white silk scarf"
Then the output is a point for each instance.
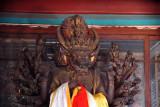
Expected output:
(58, 98)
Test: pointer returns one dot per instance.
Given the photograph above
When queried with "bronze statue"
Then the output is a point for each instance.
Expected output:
(75, 58)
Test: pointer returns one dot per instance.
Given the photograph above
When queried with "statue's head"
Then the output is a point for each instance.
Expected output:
(78, 47)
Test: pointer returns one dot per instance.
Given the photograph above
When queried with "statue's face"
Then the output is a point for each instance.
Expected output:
(78, 45)
(82, 60)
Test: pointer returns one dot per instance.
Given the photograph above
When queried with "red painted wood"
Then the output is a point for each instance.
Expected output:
(128, 31)
(26, 35)
(147, 72)
(122, 37)
(155, 61)
(154, 37)
(101, 31)
(26, 29)
(82, 6)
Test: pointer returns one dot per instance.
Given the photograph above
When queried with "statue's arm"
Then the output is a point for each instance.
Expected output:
(129, 71)
(105, 85)
(110, 90)
(45, 84)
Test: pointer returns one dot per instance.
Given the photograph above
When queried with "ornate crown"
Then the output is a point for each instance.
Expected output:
(73, 34)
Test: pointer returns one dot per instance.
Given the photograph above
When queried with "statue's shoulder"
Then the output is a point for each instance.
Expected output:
(99, 81)
(99, 76)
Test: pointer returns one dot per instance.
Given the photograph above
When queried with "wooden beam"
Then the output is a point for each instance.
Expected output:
(147, 72)
(81, 6)
(101, 31)
(26, 35)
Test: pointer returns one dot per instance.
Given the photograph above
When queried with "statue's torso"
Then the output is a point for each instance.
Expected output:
(63, 75)
(90, 81)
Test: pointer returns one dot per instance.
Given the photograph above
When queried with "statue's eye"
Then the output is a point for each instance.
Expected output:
(92, 59)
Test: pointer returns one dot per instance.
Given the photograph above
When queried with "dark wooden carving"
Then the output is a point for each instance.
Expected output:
(73, 60)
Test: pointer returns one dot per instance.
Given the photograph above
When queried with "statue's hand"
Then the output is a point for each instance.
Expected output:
(134, 64)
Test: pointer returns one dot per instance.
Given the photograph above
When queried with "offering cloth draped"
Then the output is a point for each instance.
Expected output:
(80, 98)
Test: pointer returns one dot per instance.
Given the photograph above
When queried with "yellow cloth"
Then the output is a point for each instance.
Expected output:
(75, 92)
(53, 97)
(100, 99)
(68, 98)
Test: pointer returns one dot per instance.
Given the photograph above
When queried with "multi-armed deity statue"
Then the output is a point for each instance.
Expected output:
(75, 58)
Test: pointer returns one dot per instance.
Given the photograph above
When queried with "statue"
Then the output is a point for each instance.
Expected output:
(74, 61)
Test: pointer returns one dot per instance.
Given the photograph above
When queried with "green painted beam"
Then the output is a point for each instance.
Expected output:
(56, 19)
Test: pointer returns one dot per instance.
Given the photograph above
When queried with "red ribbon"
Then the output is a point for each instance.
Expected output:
(81, 100)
